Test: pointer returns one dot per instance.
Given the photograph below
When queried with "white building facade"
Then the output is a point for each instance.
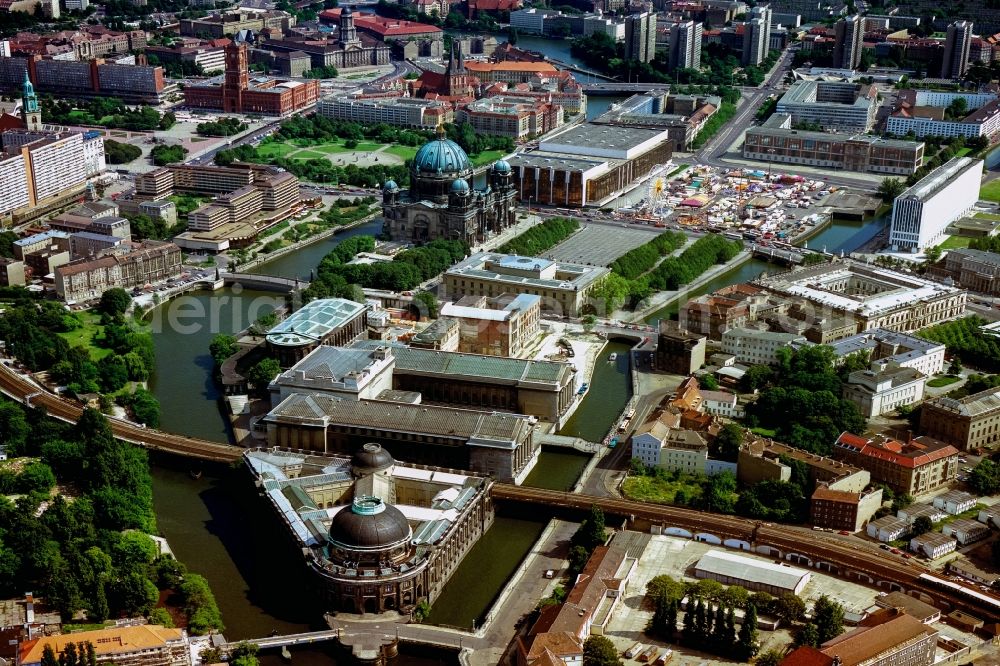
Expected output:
(755, 347)
(921, 214)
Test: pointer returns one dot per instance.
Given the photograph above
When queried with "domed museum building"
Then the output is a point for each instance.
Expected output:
(379, 535)
(441, 202)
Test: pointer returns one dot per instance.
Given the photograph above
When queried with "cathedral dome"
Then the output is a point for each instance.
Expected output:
(390, 186)
(369, 523)
(459, 186)
(441, 155)
(501, 166)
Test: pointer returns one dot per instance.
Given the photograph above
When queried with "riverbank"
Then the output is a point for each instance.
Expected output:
(298, 245)
(664, 299)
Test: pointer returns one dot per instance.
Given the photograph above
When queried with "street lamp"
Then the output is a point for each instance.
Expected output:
(770, 163)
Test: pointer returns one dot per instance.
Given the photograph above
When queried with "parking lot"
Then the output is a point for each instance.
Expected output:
(599, 245)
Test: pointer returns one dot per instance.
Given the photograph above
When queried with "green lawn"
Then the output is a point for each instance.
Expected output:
(401, 151)
(308, 155)
(955, 242)
(962, 152)
(938, 382)
(486, 157)
(274, 149)
(659, 491)
(990, 191)
(988, 216)
(85, 335)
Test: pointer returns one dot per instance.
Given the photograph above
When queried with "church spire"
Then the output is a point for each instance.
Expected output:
(461, 59)
(31, 113)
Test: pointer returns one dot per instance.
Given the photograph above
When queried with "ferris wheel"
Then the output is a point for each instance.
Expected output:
(657, 195)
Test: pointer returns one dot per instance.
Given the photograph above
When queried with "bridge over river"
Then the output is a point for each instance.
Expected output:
(264, 282)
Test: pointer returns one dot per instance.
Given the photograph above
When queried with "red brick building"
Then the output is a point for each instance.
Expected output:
(236, 92)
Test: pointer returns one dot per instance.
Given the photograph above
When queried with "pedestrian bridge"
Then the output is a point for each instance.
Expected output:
(264, 282)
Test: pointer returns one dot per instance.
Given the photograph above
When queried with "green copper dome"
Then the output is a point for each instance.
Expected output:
(441, 156)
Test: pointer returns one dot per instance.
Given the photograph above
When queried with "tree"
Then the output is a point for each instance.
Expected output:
(728, 442)
(708, 383)
(890, 188)
(592, 531)
(933, 254)
(807, 635)
(222, 347)
(789, 607)
(746, 641)
(600, 651)
(828, 616)
(263, 373)
(578, 556)
(49, 656)
(756, 377)
(664, 621)
(922, 525)
(955, 367)
(116, 152)
(114, 302)
(512, 36)
(426, 304)
(244, 654)
(984, 478)
(589, 322)
(161, 617)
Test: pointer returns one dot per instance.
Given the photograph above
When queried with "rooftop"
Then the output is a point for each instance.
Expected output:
(977, 404)
(918, 451)
(737, 566)
(877, 634)
(564, 275)
(107, 642)
(314, 321)
(935, 181)
(912, 606)
(616, 141)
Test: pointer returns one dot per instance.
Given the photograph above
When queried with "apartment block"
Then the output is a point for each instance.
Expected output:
(209, 179)
(128, 266)
(678, 351)
(849, 33)
(684, 50)
(957, 44)
(842, 107)
(917, 466)
(397, 111)
(756, 347)
(640, 36)
(154, 185)
(843, 510)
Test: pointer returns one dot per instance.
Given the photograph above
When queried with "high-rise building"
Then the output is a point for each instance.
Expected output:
(685, 46)
(956, 50)
(921, 214)
(757, 35)
(849, 33)
(640, 36)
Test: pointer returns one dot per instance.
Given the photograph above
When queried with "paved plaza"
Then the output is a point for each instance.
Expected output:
(599, 244)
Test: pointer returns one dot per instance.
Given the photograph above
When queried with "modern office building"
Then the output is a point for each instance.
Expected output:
(923, 113)
(873, 297)
(588, 164)
(849, 33)
(684, 51)
(917, 466)
(236, 92)
(640, 36)
(775, 142)
(86, 78)
(922, 213)
(327, 321)
(409, 112)
(757, 35)
(837, 106)
(955, 60)
(563, 288)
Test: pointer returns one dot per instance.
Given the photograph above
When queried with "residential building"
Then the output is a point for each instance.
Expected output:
(502, 326)
(563, 288)
(843, 510)
(640, 36)
(918, 466)
(955, 61)
(880, 391)
(923, 112)
(684, 51)
(836, 106)
(969, 571)
(757, 35)
(520, 118)
(673, 449)
(157, 184)
(125, 265)
(888, 637)
(888, 528)
(849, 32)
(140, 645)
(753, 574)
(11, 272)
(922, 213)
(966, 531)
(757, 347)
(587, 164)
(87, 78)
(774, 141)
(893, 348)
(205, 179)
(967, 423)
(874, 297)
(761, 460)
(721, 403)
(955, 502)
(397, 111)
(42, 170)
(236, 92)
(932, 545)
(678, 351)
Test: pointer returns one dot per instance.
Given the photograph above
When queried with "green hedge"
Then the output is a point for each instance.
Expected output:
(637, 261)
(540, 238)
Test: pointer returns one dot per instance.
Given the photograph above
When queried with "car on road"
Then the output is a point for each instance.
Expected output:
(844, 532)
(549, 573)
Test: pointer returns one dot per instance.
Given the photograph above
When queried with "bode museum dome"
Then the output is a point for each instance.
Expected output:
(441, 201)
(377, 534)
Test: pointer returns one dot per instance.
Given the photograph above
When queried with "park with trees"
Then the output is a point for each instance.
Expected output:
(542, 237)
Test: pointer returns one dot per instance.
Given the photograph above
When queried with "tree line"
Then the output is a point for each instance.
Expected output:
(964, 338)
(542, 237)
(109, 112)
(638, 260)
(692, 262)
(222, 127)
(93, 553)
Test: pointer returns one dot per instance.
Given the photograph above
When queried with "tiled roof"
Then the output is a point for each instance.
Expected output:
(921, 451)
(107, 642)
(881, 632)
